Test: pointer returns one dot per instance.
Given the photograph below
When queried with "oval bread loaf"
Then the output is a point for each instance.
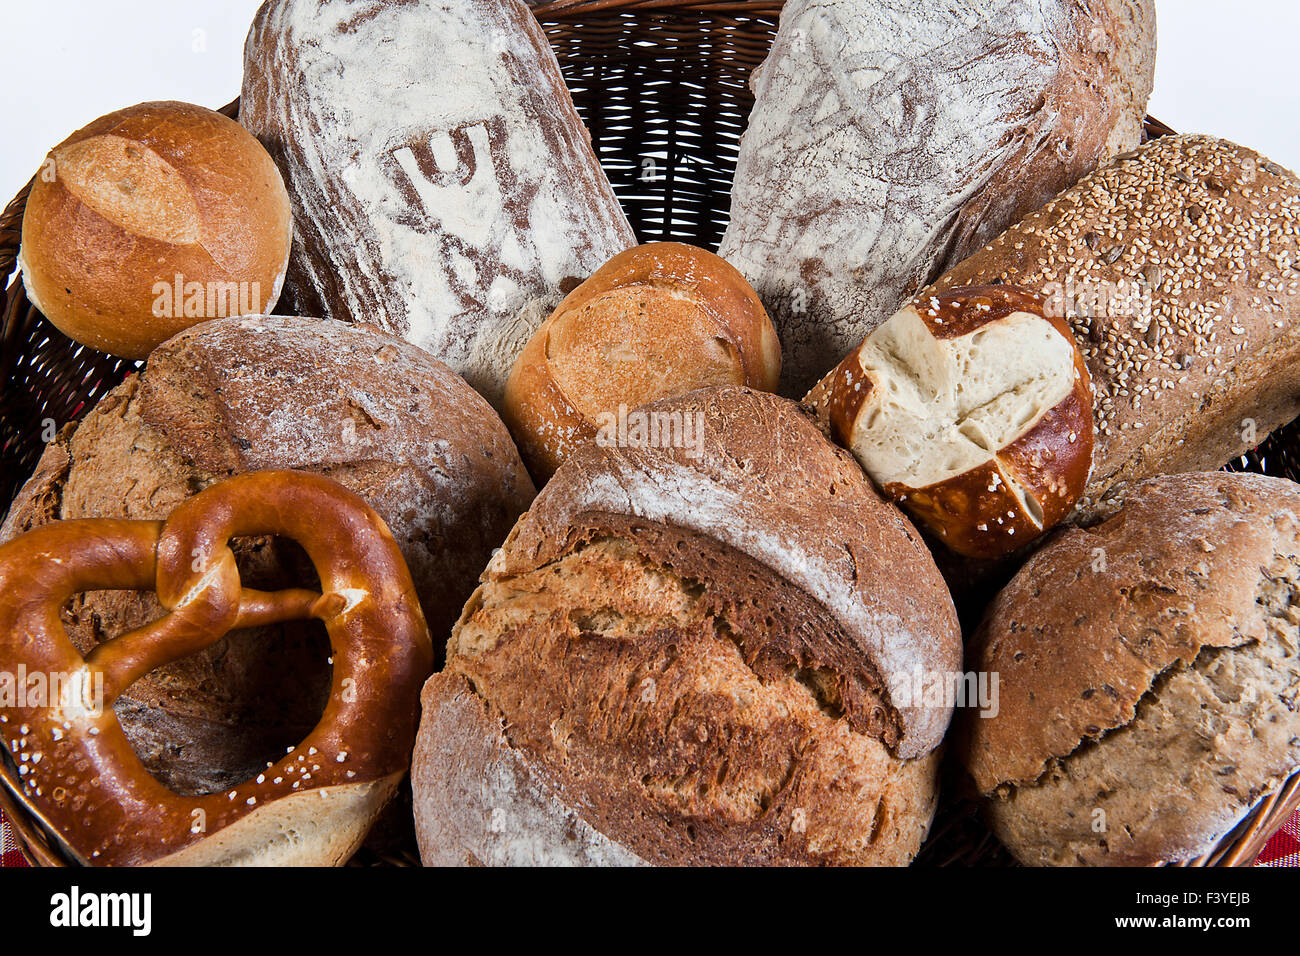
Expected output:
(443, 185)
(1149, 671)
(687, 655)
(890, 139)
(372, 412)
(1178, 269)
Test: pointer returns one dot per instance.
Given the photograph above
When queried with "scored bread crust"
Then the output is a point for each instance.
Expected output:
(891, 139)
(1149, 668)
(365, 408)
(443, 186)
(1196, 355)
(694, 655)
(696, 322)
(142, 196)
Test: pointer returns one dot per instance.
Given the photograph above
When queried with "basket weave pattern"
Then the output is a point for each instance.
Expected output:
(662, 87)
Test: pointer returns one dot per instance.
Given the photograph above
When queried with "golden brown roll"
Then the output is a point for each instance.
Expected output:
(655, 321)
(150, 220)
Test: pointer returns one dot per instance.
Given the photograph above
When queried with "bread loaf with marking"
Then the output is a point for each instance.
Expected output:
(443, 186)
(692, 655)
(890, 139)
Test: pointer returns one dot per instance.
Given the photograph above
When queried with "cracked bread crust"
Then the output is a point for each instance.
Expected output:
(370, 411)
(1154, 697)
(675, 689)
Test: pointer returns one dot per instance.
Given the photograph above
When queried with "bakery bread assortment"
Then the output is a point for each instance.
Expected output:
(655, 321)
(302, 567)
(891, 139)
(364, 408)
(693, 656)
(1149, 675)
(312, 806)
(150, 220)
(443, 186)
(972, 409)
(1176, 269)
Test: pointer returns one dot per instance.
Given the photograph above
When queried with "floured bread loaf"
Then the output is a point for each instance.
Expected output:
(442, 184)
(1149, 675)
(889, 139)
(372, 412)
(693, 655)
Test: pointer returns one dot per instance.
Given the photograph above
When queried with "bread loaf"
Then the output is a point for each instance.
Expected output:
(443, 186)
(1149, 672)
(656, 321)
(1177, 269)
(364, 408)
(890, 139)
(152, 219)
(689, 656)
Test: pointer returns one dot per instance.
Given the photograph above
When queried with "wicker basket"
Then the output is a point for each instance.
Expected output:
(662, 86)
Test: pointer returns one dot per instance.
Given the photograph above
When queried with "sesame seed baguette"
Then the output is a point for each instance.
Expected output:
(1178, 270)
(1176, 267)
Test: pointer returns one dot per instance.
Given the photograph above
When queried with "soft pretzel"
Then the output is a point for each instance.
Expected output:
(76, 769)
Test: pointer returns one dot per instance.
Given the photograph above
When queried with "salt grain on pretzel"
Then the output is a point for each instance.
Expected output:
(78, 771)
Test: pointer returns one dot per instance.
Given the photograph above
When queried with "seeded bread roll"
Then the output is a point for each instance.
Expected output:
(890, 139)
(1176, 267)
(655, 321)
(972, 409)
(152, 219)
(372, 412)
(1149, 671)
(443, 185)
(688, 655)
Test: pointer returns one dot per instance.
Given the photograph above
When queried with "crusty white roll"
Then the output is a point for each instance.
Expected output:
(973, 409)
(150, 220)
(890, 139)
(655, 321)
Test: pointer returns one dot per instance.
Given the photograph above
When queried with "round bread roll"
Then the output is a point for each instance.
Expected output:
(689, 656)
(974, 410)
(376, 414)
(655, 321)
(150, 220)
(1148, 674)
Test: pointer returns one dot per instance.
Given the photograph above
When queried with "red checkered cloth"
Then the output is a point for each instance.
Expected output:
(1282, 850)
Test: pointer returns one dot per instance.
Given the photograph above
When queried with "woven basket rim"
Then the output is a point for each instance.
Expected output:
(1239, 847)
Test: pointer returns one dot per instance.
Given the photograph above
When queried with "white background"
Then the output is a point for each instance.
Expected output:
(1227, 67)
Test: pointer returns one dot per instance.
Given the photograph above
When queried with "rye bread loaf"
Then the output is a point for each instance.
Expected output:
(687, 655)
(369, 410)
(891, 139)
(1149, 675)
(443, 186)
(1178, 269)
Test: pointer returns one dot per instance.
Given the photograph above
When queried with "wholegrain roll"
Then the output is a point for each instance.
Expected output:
(150, 220)
(691, 656)
(890, 139)
(1149, 670)
(443, 185)
(655, 321)
(374, 413)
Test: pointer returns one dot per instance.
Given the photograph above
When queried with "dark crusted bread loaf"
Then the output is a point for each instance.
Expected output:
(443, 186)
(687, 655)
(371, 411)
(1149, 675)
(890, 139)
